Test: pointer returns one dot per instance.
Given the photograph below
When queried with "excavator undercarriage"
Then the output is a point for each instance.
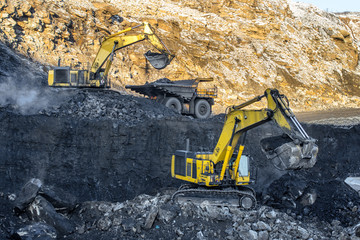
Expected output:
(241, 196)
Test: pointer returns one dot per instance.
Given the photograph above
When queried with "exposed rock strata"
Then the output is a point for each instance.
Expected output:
(310, 55)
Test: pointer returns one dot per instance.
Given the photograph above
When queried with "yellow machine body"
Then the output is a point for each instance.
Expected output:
(200, 169)
(227, 165)
(97, 75)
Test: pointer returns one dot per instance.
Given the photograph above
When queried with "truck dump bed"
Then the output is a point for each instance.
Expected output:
(184, 89)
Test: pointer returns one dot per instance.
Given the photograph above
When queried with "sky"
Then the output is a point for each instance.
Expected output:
(335, 5)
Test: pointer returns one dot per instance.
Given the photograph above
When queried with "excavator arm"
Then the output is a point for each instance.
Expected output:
(97, 75)
(117, 41)
(224, 173)
(299, 150)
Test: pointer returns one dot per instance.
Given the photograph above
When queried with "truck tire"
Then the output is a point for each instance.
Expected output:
(174, 103)
(202, 109)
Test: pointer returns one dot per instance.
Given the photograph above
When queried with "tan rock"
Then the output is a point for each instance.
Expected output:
(9, 22)
(245, 45)
(10, 8)
(337, 36)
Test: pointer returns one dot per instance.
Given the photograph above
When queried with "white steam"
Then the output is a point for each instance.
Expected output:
(23, 98)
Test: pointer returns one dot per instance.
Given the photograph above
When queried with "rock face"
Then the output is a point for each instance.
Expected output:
(118, 160)
(246, 46)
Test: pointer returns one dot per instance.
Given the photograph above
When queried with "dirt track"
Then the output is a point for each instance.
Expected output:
(321, 116)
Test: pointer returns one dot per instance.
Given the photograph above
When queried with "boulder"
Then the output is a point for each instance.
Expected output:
(40, 210)
(104, 224)
(263, 235)
(354, 183)
(129, 224)
(357, 230)
(58, 198)
(308, 198)
(27, 194)
(36, 231)
(151, 217)
(168, 212)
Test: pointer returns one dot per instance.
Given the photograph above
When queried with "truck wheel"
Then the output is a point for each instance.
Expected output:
(202, 109)
(174, 104)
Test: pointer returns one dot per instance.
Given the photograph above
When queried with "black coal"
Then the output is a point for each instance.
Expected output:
(107, 147)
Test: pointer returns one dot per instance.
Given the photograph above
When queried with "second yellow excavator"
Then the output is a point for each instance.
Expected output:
(225, 171)
(97, 75)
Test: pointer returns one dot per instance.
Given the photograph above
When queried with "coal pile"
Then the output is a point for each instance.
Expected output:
(324, 183)
(109, 175)
(24, 91)
(23, 84)
(19, 70)
(108, 104)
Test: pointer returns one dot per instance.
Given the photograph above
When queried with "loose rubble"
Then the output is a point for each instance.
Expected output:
(35, 231)
(315, 203)
(40, 204)
(24, 91)
(157, 217)
(108, 104)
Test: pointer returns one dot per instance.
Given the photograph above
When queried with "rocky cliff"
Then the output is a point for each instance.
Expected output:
(245, 45)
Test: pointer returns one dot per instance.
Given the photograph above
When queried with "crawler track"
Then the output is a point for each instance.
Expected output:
(245, 198)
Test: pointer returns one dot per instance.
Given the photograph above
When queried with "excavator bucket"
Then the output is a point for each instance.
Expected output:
(293, 154)
(157, 60)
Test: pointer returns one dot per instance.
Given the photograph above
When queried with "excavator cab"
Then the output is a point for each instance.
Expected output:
(158, 60)
(66, 77)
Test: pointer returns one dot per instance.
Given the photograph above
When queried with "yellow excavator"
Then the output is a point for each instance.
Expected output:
(97, 75)
(226, 171)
